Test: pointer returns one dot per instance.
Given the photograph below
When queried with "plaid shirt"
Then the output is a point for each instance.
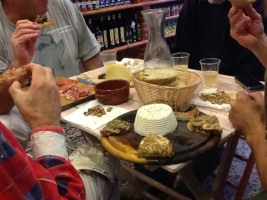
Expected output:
(48, 175)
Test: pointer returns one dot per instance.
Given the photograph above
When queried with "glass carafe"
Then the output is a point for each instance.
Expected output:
(157, 52)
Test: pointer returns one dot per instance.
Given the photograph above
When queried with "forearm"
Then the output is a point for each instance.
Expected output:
(260, 50)
(93, 63)
(258, 145)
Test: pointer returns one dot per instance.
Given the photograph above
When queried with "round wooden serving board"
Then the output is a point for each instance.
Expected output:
(187, 145)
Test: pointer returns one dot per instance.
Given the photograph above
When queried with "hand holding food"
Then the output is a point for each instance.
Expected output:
(245, 113)
(247, 28)
(40, 105)
(24, 41)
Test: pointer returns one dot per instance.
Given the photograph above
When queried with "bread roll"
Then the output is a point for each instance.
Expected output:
(158, 76)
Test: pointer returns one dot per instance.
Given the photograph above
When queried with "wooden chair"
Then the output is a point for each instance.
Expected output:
(241, 188)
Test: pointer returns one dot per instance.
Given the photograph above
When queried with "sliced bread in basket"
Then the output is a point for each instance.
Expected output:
(158, 76)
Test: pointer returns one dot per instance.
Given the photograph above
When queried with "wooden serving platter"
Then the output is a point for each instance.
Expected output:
(187, 145)
(67, 104)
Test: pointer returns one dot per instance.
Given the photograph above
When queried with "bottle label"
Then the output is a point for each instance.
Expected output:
(100, 40)
(105, 35)
(107, 3)
(112, 2)
(133, 24)
(122, 34)
(117, 38)
(111, 35)
(117, 2)
(101, 3)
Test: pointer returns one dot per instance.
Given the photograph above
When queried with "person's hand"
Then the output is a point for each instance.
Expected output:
(24, 41)
(247, 113)
(247, 28)
(40, 105)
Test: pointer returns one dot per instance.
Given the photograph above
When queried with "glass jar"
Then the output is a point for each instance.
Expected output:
(157, 53)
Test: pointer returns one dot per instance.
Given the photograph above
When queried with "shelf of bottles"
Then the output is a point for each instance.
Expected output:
(121, 30)
(92, 7)
(118, 29)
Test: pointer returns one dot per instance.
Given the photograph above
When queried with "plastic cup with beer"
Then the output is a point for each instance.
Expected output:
(108, 58)
(180, 60)
(210, 70)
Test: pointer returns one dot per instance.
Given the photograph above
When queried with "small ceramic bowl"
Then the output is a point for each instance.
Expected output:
(112, 92)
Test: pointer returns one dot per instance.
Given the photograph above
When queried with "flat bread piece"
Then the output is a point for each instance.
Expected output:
(242, 3)
(42, 21)
(158, 76)
(116, 127)
(15, 74)
(205, 124)
(155, 146)
(185, 112)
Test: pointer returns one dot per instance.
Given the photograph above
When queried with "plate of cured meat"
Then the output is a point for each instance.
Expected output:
(73, 92)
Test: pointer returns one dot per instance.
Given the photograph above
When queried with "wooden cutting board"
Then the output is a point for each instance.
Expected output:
(67, 104)
(187, 145)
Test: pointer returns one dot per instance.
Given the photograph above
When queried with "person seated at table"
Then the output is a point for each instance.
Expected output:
(203, 31)
(48, 174)
(248, 114)
(60, 46)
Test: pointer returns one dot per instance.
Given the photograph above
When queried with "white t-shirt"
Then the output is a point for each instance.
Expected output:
(60, 45)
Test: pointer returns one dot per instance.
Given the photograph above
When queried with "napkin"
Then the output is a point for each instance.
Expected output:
(92, 157)
(94, 122)
(197, 101)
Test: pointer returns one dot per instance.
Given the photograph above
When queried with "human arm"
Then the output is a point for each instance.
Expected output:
(248, 30)
(93, 63)
(40, 107)
(247, 116)
(88, 47)
(23, 42)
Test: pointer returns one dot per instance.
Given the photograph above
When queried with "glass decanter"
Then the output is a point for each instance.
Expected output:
(157, 52)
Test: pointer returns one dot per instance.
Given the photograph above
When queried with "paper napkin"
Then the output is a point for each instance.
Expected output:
(94, 122)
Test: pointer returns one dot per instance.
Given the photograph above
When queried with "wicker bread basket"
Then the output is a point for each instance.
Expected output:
(174, 96)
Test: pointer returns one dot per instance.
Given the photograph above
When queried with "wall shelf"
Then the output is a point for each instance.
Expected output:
(135, 44)
(127, 6)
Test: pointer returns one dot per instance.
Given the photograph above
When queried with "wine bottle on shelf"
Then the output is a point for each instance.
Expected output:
(107, 3)
(130, 34)
(110, 33)
(101, 3)
(121, 29)
(133, 26)
(104, 30)
(99, 36)
(116, 31)
(126, 29)
(138, 27)
(90, 26)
